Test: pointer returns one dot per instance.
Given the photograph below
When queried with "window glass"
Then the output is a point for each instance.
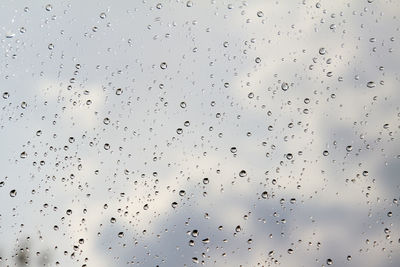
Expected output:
(221, 133)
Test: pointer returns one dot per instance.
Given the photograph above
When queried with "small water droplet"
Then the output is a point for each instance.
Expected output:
(205, 240)
(264, 195)
(163, 65)
(371, 84)
(10, 35)
(48, 7)
(13, 193)
(195, 233)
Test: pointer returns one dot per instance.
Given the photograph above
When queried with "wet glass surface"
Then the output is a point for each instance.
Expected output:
(181, 133)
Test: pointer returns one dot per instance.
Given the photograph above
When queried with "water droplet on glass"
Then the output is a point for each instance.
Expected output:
(205, 240)
(163, 65)
(371, 84)
(285, 86)
(264, 195)
(10, 35)
(195, 233)
(13, 193)
(242, 173)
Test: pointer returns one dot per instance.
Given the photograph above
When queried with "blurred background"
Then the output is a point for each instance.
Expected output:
(178, 133)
